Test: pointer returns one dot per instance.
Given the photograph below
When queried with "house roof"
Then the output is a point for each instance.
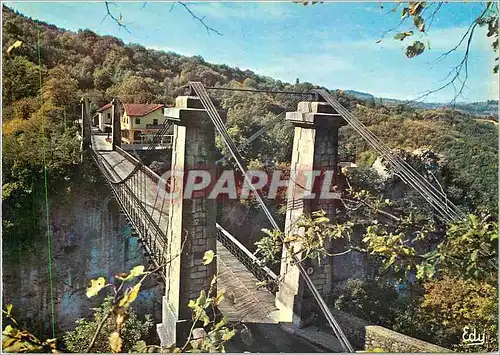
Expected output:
(141, 109)
(105, 107)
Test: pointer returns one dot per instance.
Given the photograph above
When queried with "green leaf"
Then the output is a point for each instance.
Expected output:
(95, 286)
(138, 270)
(262, 283)
(200, 301)
(222, 323)
(405, 13)
(219, 298)
(390, 261)
(322, 220)
(9, 308)
(208, 257)
(318, 213)
(424, 271)
(228, 335)
(401, 36)
(11, 331)
(204, 317)
(140, 346)
(16, 44)
(473, 255)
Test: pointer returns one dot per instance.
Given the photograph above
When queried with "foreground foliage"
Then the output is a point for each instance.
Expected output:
(117, 329)
(134, 329)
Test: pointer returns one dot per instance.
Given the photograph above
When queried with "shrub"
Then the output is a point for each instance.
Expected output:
(134, 329)
(374, 300)
(454, 303)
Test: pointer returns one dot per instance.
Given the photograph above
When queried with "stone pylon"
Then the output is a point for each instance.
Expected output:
(191, 221)
(315, 148)
(116, 130)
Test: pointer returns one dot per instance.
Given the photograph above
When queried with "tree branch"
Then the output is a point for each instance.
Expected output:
(462, 66)
(98, 331)
(101, 323)
(118, 21)
(200, 20)
(430, 19)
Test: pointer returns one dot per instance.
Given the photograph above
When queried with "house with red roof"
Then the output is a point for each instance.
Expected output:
(140, 122)
(104, 119)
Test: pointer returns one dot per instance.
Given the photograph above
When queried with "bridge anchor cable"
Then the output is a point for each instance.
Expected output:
(207, 103)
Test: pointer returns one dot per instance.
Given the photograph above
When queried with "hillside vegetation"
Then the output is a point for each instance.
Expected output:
(41, 102)
(102, 67)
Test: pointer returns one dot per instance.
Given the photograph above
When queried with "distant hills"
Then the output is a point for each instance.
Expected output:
(82, 63)
(484, 108)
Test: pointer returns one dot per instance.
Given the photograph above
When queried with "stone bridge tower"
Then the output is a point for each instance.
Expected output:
(191, 221)
(116, 130)
(315, 147)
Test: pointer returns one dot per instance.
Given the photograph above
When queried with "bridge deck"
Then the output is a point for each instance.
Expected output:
(243, 301)
(156, 206)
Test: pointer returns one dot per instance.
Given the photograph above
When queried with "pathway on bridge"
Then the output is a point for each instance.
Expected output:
(122, 167)
(243, 301)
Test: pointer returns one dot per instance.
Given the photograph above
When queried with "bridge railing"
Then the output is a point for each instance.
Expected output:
(245, 256)
(145, 169)
(150, 235)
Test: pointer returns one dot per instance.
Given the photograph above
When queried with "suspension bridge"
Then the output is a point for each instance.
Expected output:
(177, 233)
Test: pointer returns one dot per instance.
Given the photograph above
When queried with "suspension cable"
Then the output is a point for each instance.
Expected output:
(272, 123)
(408, 174)
(218, 123)
(260, 91)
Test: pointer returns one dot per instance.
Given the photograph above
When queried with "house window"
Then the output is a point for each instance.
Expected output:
(137, 136)
(137, 121)
(155, 121)
(109, 115)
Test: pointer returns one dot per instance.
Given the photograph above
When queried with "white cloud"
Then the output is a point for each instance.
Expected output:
(494, 88)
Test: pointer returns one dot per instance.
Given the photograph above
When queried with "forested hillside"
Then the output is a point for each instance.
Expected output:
(47, 70)
(102, 67)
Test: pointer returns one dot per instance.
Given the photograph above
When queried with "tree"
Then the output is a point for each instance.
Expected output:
(102, 80)
(60, 89)
(20, 79)
(134, 330)
(134, 89)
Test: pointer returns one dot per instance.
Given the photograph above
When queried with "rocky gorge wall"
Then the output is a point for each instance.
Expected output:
(90, 238)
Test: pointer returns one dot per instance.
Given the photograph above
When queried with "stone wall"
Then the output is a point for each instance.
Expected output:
(353, 327)
(391, 341)
(90, 239)
(364, 336)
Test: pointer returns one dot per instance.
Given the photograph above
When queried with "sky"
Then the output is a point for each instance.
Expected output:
(332, 44)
